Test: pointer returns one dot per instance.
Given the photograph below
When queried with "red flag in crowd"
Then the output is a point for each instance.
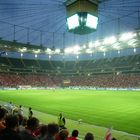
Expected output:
(108, 135)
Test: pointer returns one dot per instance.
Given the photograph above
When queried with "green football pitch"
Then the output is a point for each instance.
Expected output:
(117, 109)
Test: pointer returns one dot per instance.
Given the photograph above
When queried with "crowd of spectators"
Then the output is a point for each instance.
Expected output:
(13, 80)
(43, 80)
(111, 81)
(18, 127)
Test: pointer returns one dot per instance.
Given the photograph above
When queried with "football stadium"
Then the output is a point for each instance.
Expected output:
(69, 70)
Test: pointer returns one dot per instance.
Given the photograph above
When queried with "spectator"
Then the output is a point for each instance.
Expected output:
(102, 80)
(53, 129)
(23, 124)
(43, 132)
(30, 115)
(74, 135)
(15, 110)
(89, 136)
(3, 113)
(29, 132)
(10, 107)
(62, 135)
(11, 130)
(20, 110)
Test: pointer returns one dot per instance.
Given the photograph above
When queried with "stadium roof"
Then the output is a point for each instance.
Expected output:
(41, 24)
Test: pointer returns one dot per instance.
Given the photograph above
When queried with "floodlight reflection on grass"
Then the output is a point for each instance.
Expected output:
(92, 21)
(73, 21)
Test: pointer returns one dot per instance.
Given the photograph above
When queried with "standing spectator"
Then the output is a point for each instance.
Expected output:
(9, 107)
(30, 115)
(74, 135)
(20, 110)
(61, 121)
(15, 110)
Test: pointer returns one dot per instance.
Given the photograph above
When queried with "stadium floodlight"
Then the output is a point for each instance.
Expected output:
(89, 51)
(132, 42)
(37, 51)
(97, 44)
(76, 48)
(57, 51)
(85, 15)
(50, 56)
(119, 52)
(90, 44)
(127, 36)
(68, 50)
(104, 54)
(48, 51)
(36, 55)
(21, 54)
(84, 46)
(109, 40)
(102, 48)
(92, 21)
(73, 21)
(134, 50)
(116, 46)
(24, 49)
